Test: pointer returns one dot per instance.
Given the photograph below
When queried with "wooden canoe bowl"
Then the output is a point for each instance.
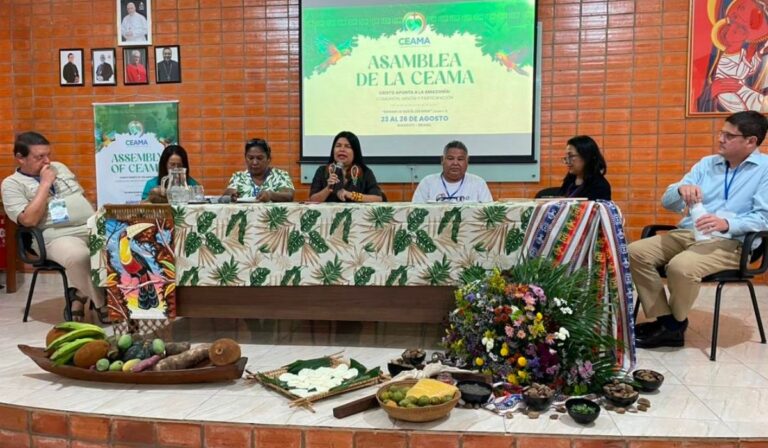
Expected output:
(208, 374)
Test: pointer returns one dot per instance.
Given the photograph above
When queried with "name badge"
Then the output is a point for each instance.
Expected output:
(58, 210)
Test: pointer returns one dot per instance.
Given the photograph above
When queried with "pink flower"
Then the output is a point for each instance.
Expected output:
(509, 331)
(521, 334)
(529, 300)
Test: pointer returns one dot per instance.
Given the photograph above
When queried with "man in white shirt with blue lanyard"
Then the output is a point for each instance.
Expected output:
(732, 188)
(454, 184)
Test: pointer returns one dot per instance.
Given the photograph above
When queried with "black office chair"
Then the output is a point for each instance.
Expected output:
(744, 274)
(24, 238)
(548, 193)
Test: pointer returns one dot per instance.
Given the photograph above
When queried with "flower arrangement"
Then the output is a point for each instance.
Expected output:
(534, 323)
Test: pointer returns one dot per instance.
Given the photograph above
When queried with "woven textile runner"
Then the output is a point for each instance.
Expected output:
(590, 235)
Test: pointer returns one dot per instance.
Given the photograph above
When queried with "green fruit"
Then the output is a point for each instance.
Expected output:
(102, 365)
(447, 398)
(124, 342)
(158, 347)
(116, 366)
(435, 400)
(403, 403)
(423, 401)
(385, 396)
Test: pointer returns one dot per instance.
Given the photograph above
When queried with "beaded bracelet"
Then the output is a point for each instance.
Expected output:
(357, 197)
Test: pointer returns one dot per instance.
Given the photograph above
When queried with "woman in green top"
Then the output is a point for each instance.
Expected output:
(260, 182)
(173, 156)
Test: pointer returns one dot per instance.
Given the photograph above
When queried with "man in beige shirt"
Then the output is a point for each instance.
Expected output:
(45, 194)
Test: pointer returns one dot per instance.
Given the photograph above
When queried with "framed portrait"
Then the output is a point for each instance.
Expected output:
(167, 64)
(71, 67)
(103, 65)
(135, 66)
(134, 22)
(727, 57)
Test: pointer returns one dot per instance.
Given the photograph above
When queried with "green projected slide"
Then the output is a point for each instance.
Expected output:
(407, 77)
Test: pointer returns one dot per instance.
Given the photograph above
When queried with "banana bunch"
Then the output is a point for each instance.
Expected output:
(76, 331)
(65, 352)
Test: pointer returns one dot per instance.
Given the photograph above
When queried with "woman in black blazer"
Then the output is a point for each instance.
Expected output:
(586, 170)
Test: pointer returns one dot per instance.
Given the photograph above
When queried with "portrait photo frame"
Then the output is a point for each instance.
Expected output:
(135, 72)
(103, 66)
(167, 71)
(134, 22)
(727, 58)
(71, 67)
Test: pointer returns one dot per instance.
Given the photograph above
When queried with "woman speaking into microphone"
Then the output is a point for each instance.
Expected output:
(346, 178)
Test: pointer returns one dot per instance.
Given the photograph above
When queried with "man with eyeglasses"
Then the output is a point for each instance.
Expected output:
(732, 187)
(45, 194)
(454, 184)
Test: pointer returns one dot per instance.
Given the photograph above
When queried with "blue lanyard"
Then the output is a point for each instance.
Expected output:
(256, 189)
(728, 184)
(445, 187)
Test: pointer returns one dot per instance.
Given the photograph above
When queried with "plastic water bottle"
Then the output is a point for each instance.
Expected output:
(697, 211)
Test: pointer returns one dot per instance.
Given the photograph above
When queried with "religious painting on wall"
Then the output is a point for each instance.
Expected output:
(134, 22)
(727, 61)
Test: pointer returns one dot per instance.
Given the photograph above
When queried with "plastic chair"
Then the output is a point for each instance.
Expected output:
(24, 238)
(744, 274)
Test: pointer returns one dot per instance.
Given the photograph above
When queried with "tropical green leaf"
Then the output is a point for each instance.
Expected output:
(514, 240)
(295, 241)
(292, 277)
(95, 244)
(317, 242)
(439, 273)
(525, 218)
(453, 217)
(179, 215)
(363, 275)
(214, 243)
(227, 273)
(402, 241)
(238, 219)
(95, 277)
(424, 241)
(399, 275)
(493, 215)
(344, 217)
(331, 272)
(264, 249)
(192, 243)
(309, 219)
(259, 276)
(204, 221)
(190, 277)
(472, 273)
(380, 216)
(369, 248)
(168, 265)
(416, 218)
(101, 225)
(277, 217)
(480, 247)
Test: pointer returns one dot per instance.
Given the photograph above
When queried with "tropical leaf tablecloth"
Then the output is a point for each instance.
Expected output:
(359, 244)
(393, 244)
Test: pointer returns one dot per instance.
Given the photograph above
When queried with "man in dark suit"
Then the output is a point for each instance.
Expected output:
(70, 72)
(168, 70)
(104, 71)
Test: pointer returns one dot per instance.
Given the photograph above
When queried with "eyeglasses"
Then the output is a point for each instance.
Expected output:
(728, 136)
(569, 158)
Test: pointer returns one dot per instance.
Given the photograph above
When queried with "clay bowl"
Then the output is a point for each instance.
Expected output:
(471, 391)
(582, 419)
(646, 385)
(538, 403)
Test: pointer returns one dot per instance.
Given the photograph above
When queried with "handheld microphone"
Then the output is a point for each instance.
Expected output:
(338, 169)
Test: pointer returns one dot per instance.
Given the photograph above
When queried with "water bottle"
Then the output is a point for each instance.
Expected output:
(178, 190)
(696, 212)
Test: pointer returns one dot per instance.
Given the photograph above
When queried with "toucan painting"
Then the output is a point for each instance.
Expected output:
(135, 259)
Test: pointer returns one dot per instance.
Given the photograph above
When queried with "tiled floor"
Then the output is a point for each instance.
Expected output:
(727, 398)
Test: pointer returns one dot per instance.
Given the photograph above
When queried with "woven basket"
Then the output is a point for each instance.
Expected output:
(307, 401)
(418, 415)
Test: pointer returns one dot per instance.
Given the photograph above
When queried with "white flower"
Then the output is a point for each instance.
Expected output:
(562, 334)
(488, 343)
(493, 357)
(566, 310)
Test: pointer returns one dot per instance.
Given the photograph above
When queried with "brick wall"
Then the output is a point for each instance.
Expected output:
(612, 69)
